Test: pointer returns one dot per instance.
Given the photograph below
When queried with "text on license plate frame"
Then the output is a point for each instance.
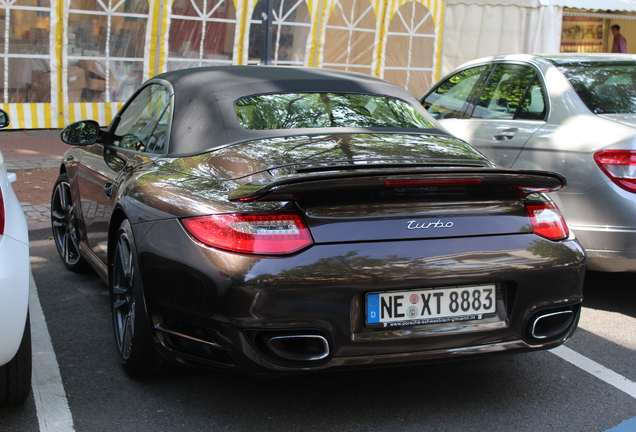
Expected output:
(430, 306)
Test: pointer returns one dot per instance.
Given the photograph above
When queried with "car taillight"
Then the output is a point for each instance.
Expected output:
(252, 233)
(546, 220)
(1, 213)
(619, 166)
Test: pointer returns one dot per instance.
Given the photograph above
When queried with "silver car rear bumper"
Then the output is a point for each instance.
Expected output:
(619, 254)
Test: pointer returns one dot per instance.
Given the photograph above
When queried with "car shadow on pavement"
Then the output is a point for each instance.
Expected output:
(612, 292)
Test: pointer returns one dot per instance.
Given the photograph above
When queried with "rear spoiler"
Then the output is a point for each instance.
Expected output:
(294, 187)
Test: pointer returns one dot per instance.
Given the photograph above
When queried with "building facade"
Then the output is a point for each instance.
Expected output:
(65, 60)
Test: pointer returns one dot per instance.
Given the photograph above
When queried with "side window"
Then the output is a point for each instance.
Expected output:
(144, 123)
(156, 141)
(505, 92)
(449, 98)
(533, 106)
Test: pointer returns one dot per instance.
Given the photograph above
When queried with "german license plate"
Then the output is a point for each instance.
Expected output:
(430, 306)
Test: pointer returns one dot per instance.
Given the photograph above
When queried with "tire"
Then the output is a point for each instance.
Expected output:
(135, 345)
(64, 226)
(15, 376)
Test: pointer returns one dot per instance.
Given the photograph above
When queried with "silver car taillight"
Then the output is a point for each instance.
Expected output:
(1, 213)
(619, 166)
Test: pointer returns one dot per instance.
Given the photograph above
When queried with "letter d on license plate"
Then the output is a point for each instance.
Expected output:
(430, 306)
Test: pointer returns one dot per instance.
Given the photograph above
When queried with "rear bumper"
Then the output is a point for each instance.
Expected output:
(602, 218)
(609, 249)
(252, 360)
(209, 308)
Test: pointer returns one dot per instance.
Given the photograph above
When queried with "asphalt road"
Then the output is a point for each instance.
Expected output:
(529, 392)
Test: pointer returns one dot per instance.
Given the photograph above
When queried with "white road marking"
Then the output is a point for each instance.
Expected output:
(598, 370)
(51, 405)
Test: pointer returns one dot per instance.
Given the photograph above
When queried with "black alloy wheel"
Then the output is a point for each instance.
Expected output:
(131, 324)
(64, 225)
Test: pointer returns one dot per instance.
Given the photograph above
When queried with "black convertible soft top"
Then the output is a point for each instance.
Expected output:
(204, 117)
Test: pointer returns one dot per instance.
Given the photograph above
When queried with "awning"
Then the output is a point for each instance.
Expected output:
(522, 3)
(600, 5)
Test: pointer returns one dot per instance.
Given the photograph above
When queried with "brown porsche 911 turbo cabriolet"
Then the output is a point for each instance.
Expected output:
(276, 219)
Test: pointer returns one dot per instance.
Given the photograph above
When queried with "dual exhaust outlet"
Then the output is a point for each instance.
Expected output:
(306, 348)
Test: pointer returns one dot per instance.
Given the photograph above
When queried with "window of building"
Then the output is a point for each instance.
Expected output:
(289, 32)
(201, 33)
(25, 67)
(105, 49)
(410, 48)
(350, 36)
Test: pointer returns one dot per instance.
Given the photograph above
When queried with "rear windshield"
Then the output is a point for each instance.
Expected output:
(325, 110)
(605, 87)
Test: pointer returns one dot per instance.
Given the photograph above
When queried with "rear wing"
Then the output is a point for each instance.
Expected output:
(295, 187)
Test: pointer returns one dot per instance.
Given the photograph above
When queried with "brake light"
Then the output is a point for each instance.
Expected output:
(546, 220)
(619, 166)
(252, 233)
(432, 182)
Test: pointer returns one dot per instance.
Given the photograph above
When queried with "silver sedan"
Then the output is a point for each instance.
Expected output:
(570, 113)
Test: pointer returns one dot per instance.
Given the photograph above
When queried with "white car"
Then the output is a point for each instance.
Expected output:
(15, 334)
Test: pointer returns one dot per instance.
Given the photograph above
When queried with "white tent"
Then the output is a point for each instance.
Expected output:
(478, 28)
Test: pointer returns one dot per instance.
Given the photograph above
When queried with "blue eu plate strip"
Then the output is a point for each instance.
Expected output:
(373, 308)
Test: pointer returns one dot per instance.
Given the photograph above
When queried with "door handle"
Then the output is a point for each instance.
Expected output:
(109, 188)
(506, 134)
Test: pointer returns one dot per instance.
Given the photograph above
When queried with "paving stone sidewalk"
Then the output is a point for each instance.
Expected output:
(34, 155)
(38, 214)
(32, 164)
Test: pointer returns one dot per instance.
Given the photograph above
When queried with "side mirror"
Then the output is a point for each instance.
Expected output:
(83, 132)
(4, 119)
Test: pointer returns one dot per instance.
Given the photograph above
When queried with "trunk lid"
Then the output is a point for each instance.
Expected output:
(357, 188)
(292, 155)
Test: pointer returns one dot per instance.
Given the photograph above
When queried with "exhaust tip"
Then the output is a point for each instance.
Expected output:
(551, 324)
(299, 348)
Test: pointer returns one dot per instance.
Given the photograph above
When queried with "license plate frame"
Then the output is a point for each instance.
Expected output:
(433, 305)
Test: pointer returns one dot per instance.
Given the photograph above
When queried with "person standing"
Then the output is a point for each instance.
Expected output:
(620, 43)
